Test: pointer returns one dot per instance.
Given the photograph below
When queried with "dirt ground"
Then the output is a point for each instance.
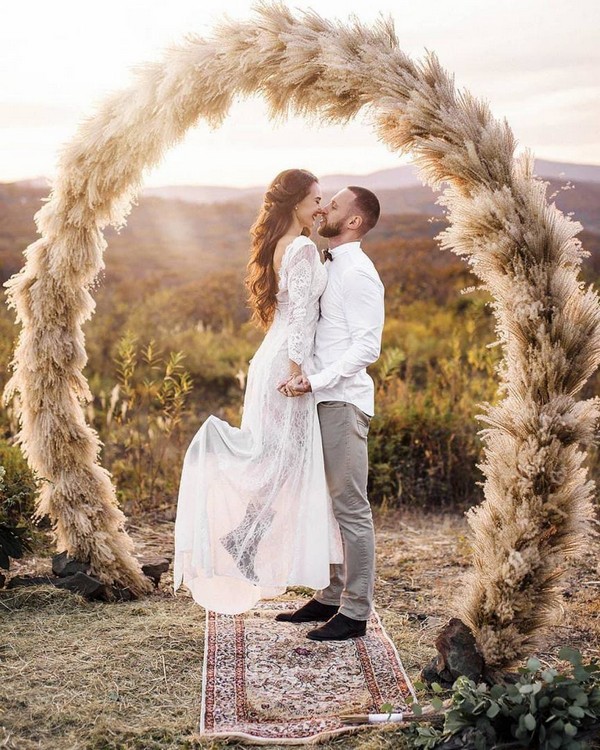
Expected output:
(76, 675)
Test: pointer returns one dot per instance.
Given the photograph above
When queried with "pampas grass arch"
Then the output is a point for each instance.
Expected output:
(524, 251)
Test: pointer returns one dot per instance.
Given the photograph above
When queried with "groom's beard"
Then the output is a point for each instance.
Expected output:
(330, 230)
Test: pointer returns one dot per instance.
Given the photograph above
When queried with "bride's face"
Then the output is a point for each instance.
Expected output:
(310, 207)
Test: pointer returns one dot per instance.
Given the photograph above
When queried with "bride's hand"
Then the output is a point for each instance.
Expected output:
(295, 373)
(297, 386)
(282, 386)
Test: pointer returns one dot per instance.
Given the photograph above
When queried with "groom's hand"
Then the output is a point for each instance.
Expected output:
(296, 386)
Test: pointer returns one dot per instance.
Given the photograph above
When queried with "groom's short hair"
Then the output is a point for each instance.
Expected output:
(368, 206)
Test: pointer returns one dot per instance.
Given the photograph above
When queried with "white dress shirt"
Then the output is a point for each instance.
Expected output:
(348, 336)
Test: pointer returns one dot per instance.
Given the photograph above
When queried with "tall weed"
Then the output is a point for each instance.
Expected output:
(140, 422)
(423, 444)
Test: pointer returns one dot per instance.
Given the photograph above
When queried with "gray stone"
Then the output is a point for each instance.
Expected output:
(81, 583)
(155, 568)
(457, 655)
(64, 566)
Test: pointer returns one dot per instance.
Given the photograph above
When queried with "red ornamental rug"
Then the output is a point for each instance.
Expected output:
(265, 682)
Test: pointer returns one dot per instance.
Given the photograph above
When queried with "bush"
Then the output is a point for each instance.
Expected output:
(543, 709)
(18, 488)
(420, 458)
(423, 443)
(140, 423)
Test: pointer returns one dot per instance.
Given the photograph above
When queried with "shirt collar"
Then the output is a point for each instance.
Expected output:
(341, 249)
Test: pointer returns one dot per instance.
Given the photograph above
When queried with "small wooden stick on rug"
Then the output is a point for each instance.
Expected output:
(265, 682)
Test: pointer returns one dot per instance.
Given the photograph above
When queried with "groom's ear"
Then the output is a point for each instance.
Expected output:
(355, 222)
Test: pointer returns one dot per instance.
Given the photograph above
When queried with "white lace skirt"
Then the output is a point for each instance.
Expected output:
(254, 515)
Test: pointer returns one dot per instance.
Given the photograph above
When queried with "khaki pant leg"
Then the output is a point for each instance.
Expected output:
(344, 430)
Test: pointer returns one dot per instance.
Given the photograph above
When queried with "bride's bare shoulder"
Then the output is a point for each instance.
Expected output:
(284, 242)
(282, 245)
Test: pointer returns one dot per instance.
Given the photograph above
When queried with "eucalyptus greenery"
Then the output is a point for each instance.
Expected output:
(542, 708)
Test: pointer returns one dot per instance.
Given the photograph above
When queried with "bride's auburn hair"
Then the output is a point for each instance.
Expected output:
(274, 219)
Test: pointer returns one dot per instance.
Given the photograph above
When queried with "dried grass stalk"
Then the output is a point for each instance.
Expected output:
(523, 249)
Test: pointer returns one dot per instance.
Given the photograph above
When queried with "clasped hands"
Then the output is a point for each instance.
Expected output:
(295, 385)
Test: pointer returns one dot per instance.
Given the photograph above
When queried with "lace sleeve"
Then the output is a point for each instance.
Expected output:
(299, 275)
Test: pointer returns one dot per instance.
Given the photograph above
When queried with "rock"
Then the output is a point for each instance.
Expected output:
(434, 673)
(155, 568)
(64, 566)
(121, 595)
(81, 583)
(457, 655)
(29, 581)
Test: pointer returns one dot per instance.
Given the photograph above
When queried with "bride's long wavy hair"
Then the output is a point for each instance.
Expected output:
(274, 219)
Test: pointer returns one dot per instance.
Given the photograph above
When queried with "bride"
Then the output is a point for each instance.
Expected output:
(254, 514)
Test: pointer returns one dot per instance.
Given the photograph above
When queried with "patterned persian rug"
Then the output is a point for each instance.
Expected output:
(265, 682)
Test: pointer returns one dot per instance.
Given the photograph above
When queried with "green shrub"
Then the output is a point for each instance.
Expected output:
(18, 488)
(423, 443)
(542, 709)
(140, 423)
(423, 458)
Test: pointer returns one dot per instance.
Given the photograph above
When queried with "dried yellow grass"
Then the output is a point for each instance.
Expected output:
(522, 248)
(94, 673)
(91, 676)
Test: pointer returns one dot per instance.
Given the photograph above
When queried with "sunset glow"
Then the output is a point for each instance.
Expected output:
(537, 64)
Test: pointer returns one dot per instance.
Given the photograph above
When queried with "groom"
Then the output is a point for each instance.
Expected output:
(348, 339)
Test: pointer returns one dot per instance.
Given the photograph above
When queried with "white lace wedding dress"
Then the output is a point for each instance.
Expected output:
(254, 514)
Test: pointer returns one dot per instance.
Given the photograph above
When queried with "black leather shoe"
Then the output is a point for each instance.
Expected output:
(312, 611)
(339, 628)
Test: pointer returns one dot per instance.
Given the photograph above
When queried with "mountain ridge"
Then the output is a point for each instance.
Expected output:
(403, 176)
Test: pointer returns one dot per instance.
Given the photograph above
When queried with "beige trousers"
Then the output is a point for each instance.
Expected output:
(344, 429)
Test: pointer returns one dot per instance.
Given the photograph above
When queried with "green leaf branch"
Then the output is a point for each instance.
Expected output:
(542, 708)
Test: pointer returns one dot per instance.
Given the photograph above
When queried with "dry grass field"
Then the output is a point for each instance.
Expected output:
(77, 675)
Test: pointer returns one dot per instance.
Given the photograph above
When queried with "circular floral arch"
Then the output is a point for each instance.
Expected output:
(524, 251)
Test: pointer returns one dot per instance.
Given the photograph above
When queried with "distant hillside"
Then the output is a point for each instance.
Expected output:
(177, 241)
(405, 176)
(565, 171)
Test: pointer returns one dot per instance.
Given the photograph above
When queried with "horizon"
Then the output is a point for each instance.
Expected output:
(257, 186)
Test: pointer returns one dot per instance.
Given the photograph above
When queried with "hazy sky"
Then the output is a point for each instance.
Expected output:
(536, 61)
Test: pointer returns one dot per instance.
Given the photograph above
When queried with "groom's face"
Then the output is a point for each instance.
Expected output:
(336, 213)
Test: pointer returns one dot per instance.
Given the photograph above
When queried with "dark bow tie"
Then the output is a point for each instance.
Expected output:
(327, 255)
